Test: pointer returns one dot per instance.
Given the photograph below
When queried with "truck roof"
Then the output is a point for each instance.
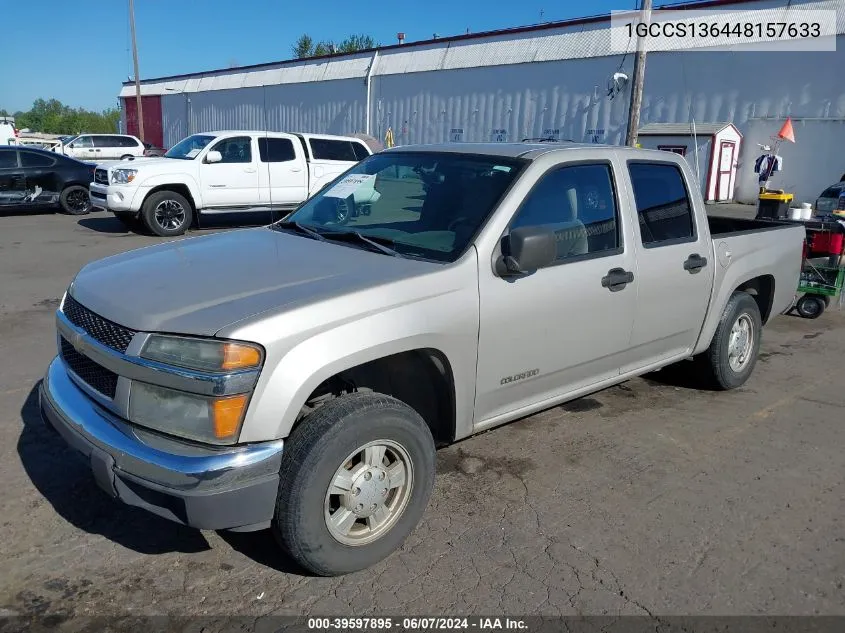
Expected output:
(277, 133)
(529, 150)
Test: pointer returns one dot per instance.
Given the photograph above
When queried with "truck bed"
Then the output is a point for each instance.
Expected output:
(721, 226)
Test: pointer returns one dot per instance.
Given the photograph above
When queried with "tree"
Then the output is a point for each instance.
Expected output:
(53, 117)
(306, 47)
(355, 43)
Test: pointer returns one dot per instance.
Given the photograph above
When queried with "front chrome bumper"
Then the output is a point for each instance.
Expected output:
(228, 488)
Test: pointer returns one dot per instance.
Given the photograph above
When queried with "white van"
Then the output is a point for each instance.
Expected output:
(97, 147)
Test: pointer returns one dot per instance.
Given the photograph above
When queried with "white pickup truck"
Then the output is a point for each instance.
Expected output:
(223, 172)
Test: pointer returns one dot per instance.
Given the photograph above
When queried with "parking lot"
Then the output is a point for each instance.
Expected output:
(652, 497)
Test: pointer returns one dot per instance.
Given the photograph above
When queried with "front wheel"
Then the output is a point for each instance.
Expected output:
(75, 200)
(167, 213)
(355, 480)
(733, 351)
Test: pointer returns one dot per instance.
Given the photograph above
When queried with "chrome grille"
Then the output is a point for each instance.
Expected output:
(101, 176)
(92, 374)
(109, 334)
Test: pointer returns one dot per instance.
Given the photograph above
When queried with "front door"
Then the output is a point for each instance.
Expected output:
(674, 263)
(233, 182)
(565, 326)
(82, 147)
(724, 187)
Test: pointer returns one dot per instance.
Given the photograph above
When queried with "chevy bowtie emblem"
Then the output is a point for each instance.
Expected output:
(76, 341)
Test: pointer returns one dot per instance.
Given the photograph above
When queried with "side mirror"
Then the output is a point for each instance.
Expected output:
(213, 156)
(71, 146)
(526, 249)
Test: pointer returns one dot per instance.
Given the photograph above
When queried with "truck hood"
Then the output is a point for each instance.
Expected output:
(200, 285)
(149, 164)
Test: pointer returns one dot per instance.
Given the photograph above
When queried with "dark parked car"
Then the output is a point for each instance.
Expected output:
(31, 178)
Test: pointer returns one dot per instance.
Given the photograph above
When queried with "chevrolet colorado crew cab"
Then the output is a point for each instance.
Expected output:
(222, 172)
(299, 376)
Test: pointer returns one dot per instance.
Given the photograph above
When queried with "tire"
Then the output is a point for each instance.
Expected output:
(167, 213)
(74, 200)
(127, 157)
(811, 306)
(729, 362)
(330, 439)
(129, 220)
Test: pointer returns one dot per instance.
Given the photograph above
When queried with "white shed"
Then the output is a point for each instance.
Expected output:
(718, 152)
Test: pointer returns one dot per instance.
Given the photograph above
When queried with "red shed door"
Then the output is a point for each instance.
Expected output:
(724, 191)
(151, 110)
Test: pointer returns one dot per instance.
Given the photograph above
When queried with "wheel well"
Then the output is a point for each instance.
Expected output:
(182, 190)
(762, 289)
(420, 378)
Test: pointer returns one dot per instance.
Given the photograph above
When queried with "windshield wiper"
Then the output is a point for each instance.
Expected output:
(375, 242)
(300, 228)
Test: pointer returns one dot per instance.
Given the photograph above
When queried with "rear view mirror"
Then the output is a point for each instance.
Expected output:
(526, 249)
(213, 157)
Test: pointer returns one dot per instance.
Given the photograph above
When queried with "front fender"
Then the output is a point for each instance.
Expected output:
(447, 322)
(151, 182)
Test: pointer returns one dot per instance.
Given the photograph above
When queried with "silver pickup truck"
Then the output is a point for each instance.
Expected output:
(299, 376)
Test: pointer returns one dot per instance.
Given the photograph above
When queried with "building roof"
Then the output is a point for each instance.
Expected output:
(682, 129)
(568, 39)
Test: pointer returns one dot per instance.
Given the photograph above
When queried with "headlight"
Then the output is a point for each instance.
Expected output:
(202, 354)
(123, 176)
(200, 418)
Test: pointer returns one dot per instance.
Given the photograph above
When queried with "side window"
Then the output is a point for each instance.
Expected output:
(83, 141)
(105, 141)
(126, 141)
(360, 151)
(579, 205)
(663, 206)
(235, 150)
(28, 159)
(328, 149)
(8, 159)
(275, 150)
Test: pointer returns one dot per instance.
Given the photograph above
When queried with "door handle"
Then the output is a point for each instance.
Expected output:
(616, 279)
(249, 170)
(295, 169)
(694, 263)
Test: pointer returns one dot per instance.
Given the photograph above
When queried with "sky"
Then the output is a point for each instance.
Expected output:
(84, 52)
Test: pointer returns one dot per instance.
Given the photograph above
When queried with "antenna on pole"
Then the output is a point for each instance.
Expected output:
(140, 112)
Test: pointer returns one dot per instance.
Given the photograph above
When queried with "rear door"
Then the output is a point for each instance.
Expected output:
(330, 157)
(282, 171)
(674, 267)
(233, 182)
(40, 173)
(12, 180)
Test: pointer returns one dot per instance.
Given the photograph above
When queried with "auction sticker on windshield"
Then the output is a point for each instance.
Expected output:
(193, 153)
(349, 185)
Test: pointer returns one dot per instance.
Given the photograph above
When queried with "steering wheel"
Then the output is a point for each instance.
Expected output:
(457, 222)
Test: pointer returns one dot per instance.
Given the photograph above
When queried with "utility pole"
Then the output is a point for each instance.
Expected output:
(638, 80)
(139, 109)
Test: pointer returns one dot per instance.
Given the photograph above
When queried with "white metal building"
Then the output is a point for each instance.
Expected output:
(546, 80)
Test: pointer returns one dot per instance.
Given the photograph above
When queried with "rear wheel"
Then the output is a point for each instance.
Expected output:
(355, 480)
(75, 200)
(811, 306)
(167, 213)
(732, 354)
(127, 157)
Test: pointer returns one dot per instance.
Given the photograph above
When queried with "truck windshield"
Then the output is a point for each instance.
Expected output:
(189, 148)
(424, 204)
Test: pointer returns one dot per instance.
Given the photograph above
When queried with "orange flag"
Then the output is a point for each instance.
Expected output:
(786, 132)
